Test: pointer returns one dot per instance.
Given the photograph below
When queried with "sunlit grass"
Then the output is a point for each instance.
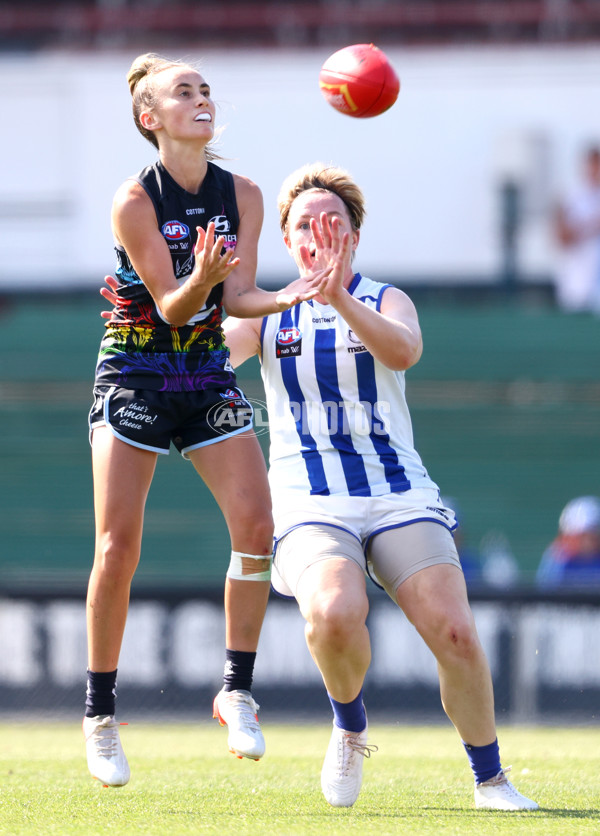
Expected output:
(184, 781)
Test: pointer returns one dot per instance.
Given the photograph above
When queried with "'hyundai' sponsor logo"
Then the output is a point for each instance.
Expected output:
(221, 223)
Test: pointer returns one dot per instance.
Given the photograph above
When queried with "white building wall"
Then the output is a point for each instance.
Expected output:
(430, 167)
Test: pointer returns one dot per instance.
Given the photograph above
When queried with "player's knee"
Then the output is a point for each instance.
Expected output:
(117, 558)
(255, 531)
(333, 621)
(455, 639)
(262, 531)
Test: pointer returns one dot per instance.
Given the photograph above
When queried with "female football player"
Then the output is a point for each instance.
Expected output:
(350, 493)
(186, 234)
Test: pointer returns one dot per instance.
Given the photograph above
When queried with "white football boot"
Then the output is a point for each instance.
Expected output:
(499, 794)
(105, 756)
(239, 712)
(341, 775)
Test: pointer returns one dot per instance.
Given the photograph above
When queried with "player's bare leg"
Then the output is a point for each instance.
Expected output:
(435, 601)
(235, 472)
(332, 598)
(122, 477)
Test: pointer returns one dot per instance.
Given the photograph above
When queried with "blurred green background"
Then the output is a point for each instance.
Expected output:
(506, 413)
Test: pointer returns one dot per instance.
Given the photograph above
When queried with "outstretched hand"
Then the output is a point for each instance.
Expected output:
(300, 290)
(110, 294)
(332, 257)
(212, 264)
(323, 271)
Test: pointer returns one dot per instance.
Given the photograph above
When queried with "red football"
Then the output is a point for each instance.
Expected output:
(359, 80)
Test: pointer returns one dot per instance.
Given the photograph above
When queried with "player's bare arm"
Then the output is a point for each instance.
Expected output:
(242, 337)
(392, 335)
(240, 293)
(135, 228)
(241, 296)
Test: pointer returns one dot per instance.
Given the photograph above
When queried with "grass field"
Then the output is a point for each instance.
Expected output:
(184, 782)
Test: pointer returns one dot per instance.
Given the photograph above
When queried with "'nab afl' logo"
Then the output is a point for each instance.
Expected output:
(175, 230)
(288, 342)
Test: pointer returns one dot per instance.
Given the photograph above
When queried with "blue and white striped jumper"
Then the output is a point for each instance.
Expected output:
(339, 420)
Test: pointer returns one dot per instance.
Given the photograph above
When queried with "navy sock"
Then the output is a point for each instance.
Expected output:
(350, 716)
(484, 760)
(239, 669)
(101, 693)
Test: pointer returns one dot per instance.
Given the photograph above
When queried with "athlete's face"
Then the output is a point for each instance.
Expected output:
(311, 204)
(184, 108)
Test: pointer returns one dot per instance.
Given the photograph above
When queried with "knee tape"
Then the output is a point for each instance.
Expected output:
(249, 567)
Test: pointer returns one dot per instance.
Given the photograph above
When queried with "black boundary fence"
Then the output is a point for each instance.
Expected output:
(543, 650)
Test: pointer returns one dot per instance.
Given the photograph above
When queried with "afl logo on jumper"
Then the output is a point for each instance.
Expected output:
(288, 342)
(175, 230)
(177, 235)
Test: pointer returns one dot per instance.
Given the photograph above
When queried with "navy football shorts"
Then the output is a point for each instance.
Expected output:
(152, 420)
